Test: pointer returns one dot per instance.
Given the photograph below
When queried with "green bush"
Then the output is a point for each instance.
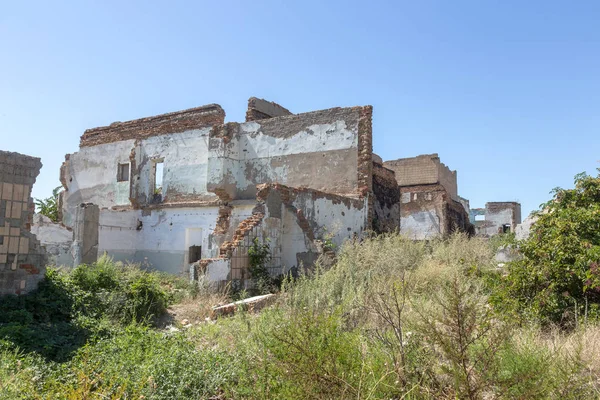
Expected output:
(558, 279)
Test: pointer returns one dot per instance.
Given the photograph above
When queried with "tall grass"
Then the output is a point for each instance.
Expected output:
(391, 319)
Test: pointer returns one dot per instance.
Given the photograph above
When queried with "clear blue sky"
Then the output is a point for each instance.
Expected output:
(507, 92)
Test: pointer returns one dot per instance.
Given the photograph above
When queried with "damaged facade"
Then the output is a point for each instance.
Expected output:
(186, 188)
(22, 260)
(430, 205)
(496, 217)
(186, 192)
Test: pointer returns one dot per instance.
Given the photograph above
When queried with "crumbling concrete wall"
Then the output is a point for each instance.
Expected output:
(321, 150)
(306, 217)
(55, 238)
(499, 217)
(85, 234)
(22, 260)
(425, 169)
(428, 211)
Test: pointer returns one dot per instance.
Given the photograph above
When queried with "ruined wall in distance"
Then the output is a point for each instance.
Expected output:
(386, 200)
(425, 169)
(420, 170)
(498, 215)
(422, 211)
(22, 260)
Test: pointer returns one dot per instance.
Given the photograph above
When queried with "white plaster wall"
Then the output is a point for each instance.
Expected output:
(293, 241)
(266, 155)
(523, 229)
(496, 220)
(326, 217)
(92, 178)
(218, 270)
(335, 219)
(421, 225)
(185, 158)
(318, 137)
(56, 239)
(162, 241)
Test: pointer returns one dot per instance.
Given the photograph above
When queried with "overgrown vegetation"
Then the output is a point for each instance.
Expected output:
(391, 319)
(558, 279)
(259, 256)
(49, 206)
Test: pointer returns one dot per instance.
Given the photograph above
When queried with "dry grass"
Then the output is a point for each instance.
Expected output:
(197, 309)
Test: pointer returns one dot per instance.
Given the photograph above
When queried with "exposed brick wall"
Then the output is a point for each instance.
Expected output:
(457, 218)
(386, 201)
(420, 170)
(425, 169)
(240, 233)
(262, 109)
(365, 160)
(22, 260)
(174, 122)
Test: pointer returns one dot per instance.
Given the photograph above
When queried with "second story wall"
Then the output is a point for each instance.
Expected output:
(321, 150)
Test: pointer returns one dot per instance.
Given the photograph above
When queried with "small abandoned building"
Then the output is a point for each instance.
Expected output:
(496, 217)
(22, 260)
(430, 205)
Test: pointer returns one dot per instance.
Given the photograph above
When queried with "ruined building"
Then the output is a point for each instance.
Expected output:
(187, 188)
(430, 205)
(186, 192)
(496, 217)
(22, 260)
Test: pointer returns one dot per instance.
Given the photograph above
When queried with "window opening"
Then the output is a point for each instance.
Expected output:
(123, 172)
(157, 184)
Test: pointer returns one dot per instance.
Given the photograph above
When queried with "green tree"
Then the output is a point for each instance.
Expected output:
(49, 206)
(558, 279)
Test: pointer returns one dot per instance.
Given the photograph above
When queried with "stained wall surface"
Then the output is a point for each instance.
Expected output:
(206, 185)
(22, 260)
(318, 150)
(500, 217)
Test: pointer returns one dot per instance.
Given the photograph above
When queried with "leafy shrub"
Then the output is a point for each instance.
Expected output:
(558, 279)
(49, 205)
(259, 255)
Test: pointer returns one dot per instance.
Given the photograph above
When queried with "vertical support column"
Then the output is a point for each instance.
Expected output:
(365, 161)
(85, 245)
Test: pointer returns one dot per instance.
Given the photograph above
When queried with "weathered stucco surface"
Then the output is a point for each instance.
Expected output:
(207, 193)
(499, 217)
(55, 238)
(317, 150)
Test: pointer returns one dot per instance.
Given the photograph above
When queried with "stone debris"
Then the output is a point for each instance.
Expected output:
(252, 304)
